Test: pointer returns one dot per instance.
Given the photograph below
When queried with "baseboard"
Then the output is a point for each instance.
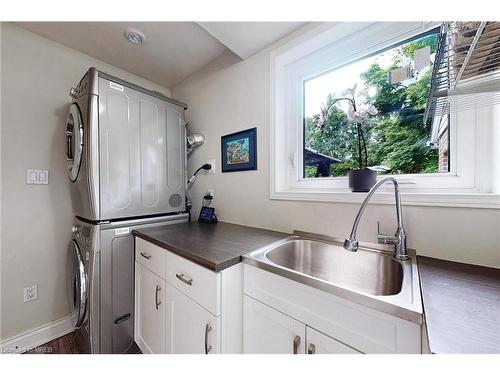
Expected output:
(38, 336)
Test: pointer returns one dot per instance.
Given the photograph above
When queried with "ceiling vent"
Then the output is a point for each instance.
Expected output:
(135, 36)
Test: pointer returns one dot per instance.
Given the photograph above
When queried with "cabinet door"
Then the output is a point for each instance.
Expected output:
(268, 331)
(190, 328)
(319, 343)
(149, 310)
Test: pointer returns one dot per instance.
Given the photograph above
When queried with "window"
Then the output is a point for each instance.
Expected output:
(313, 143)
(395, 84)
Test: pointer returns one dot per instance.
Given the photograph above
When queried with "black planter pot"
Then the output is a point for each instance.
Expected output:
(362, 180)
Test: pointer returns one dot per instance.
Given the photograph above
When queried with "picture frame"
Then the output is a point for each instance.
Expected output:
(239, 151)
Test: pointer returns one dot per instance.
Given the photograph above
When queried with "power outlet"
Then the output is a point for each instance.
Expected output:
(212, 163)
(210, 193)
(30, 293)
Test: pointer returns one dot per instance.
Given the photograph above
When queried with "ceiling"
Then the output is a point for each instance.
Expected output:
(173, 50)
(247, 38)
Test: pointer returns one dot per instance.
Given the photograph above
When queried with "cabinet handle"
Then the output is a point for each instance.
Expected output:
(183, 279)
(122, 318)
(208, 328)
(311, 349)
(145, 255)
(296, 343)
(157, 301)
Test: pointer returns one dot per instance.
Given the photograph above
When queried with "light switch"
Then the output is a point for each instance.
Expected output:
(43, 177)
(37, 177)
(31, 176)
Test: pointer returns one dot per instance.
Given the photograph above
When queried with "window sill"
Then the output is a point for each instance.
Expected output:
(470, 200)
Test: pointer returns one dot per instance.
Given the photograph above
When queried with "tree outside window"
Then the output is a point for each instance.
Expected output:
(397, 141)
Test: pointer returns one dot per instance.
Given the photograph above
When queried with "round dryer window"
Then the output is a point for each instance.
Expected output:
(74, 141)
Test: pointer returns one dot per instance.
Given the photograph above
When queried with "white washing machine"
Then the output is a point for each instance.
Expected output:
(83, 265)
(100, 266)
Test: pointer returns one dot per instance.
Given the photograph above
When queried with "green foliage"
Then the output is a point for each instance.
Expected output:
(341, 169)
(389, 97)
(410, 48)
(402, 145)
(310, 171)
(335, 138)
(416, 94)
(395, 137)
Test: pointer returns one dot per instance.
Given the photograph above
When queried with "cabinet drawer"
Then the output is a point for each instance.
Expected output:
(150, 256)
(199, 283)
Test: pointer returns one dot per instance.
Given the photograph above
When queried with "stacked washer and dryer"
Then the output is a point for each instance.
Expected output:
(126, 157)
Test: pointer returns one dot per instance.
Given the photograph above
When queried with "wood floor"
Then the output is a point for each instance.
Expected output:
(63, 345)
(67, 345)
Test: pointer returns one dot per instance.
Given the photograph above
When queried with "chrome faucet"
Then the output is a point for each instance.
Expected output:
(398, 239)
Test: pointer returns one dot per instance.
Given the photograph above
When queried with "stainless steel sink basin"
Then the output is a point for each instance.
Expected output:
(370, 276)
(365, 271)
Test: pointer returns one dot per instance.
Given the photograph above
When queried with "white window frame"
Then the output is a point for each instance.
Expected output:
(332, 45)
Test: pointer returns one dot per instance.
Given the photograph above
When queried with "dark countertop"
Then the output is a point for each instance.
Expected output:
(214, 246)
(461, 306)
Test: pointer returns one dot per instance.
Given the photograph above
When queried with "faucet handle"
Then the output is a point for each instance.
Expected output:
(385, 238)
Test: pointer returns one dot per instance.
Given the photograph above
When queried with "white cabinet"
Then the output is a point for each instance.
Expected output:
(190, 329)
(319, 343)
(183, 308)
(149, 310)
(267, 331)
(275, 306)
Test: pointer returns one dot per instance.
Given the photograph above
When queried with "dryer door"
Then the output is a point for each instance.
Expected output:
(77, 283)
(74, 141)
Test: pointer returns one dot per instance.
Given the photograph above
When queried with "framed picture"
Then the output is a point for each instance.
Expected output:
(239, 151)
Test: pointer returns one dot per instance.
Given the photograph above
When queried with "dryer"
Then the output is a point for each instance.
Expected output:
(125, 150)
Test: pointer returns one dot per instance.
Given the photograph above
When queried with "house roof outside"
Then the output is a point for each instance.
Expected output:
(314, 155)
(321, 161)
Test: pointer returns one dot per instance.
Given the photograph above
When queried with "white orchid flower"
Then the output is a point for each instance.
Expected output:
(350, 91)
(321, 120)
(322, 117)
(358, 116)
(355, 116)
(371, 110)
(361, 114)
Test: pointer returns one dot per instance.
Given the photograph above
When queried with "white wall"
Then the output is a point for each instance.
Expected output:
(36, 75)
(229, 95)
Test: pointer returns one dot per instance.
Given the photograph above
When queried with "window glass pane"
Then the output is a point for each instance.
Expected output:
(382, 98)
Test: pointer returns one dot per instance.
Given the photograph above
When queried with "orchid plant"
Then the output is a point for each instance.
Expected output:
(355, 113)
